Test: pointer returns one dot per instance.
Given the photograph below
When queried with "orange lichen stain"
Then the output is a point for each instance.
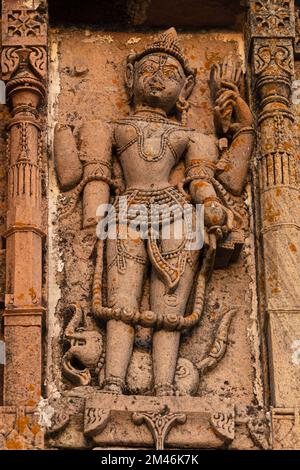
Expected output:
(114, 81)
(13, 444)
(32, 292)
(292, 247)
(200, 184)
(275, 290)
(20, 297)
(31, 387)
(278, 192)
(35, 429)
(211, 58)
(22, 423)
(270, 214)
(31, 402)
(213, 315)
(204, 105)
(120, 104)
(227, 167)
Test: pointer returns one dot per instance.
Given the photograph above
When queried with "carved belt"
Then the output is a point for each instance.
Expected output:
(152, 204)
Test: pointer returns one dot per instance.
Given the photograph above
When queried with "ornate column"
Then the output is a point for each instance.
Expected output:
(272, 31)
(24, 65)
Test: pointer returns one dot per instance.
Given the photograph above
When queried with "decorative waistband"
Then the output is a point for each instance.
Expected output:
(169, 196)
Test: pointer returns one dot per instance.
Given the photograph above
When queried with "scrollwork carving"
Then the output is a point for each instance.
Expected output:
(95, 420)
(10, 61)
(223, 425)
(273, 55)
(37, 61)
(59, 421)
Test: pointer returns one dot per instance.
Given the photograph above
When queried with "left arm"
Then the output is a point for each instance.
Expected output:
(201, 160)
(233, 167)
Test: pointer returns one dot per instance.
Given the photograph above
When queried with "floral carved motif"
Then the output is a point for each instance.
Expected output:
(23, 23)
(270, 13)
(271, 18)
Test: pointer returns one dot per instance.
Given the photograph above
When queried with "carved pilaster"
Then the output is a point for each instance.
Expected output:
(272, 58)
(286, 428)
(24, 66)
(19, 429)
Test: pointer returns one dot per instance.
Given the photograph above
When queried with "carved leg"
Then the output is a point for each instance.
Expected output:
(124, 290)
(165, 343)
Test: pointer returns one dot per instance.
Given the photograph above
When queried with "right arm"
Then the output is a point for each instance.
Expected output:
(67, 163)
(87, 165)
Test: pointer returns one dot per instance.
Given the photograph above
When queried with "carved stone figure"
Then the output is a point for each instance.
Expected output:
(134, 157)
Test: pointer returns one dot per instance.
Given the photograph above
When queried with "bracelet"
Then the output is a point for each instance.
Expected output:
(212, 199)
(97, 162)
(201, 164)
(243, 130)
(111, 380)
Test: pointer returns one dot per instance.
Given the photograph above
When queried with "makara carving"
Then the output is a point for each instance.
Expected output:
(129, 162)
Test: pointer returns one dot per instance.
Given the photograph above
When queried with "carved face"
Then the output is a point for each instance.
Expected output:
(159, 80)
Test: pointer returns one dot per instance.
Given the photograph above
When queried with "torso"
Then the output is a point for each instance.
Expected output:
(149, 150)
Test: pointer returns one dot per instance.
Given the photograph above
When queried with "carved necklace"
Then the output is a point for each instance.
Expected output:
(140, 138)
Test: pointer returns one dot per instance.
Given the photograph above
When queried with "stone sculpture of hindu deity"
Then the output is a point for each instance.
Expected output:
(132, 159)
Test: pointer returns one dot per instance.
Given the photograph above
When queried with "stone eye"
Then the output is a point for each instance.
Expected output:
(170, 73)
(148, 69)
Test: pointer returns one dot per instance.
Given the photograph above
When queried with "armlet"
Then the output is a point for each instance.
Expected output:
(199, 170)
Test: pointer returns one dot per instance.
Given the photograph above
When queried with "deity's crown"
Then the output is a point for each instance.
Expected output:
(168, 43)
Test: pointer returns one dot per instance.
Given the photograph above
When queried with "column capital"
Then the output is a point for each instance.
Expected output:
(269, 19)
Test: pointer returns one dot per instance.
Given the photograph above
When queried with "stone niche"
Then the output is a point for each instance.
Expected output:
(219, 360)
(143, 342)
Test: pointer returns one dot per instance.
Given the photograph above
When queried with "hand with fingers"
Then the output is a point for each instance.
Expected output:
(231, 112)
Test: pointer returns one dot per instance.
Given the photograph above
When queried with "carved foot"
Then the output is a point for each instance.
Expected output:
(164, 390)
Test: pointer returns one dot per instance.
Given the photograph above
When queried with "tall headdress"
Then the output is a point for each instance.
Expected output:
(168, 43)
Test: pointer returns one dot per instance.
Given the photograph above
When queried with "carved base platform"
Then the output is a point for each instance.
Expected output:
(149, 421)
(104, 420)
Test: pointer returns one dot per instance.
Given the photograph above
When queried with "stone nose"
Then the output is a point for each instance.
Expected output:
(157, 76)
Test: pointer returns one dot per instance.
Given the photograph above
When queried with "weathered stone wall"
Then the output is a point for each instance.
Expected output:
(240, 364)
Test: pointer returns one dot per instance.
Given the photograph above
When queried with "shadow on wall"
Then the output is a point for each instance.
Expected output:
(124, 14)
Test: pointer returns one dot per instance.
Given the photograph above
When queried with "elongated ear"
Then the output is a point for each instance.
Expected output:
(129, 78)
(188, 87)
